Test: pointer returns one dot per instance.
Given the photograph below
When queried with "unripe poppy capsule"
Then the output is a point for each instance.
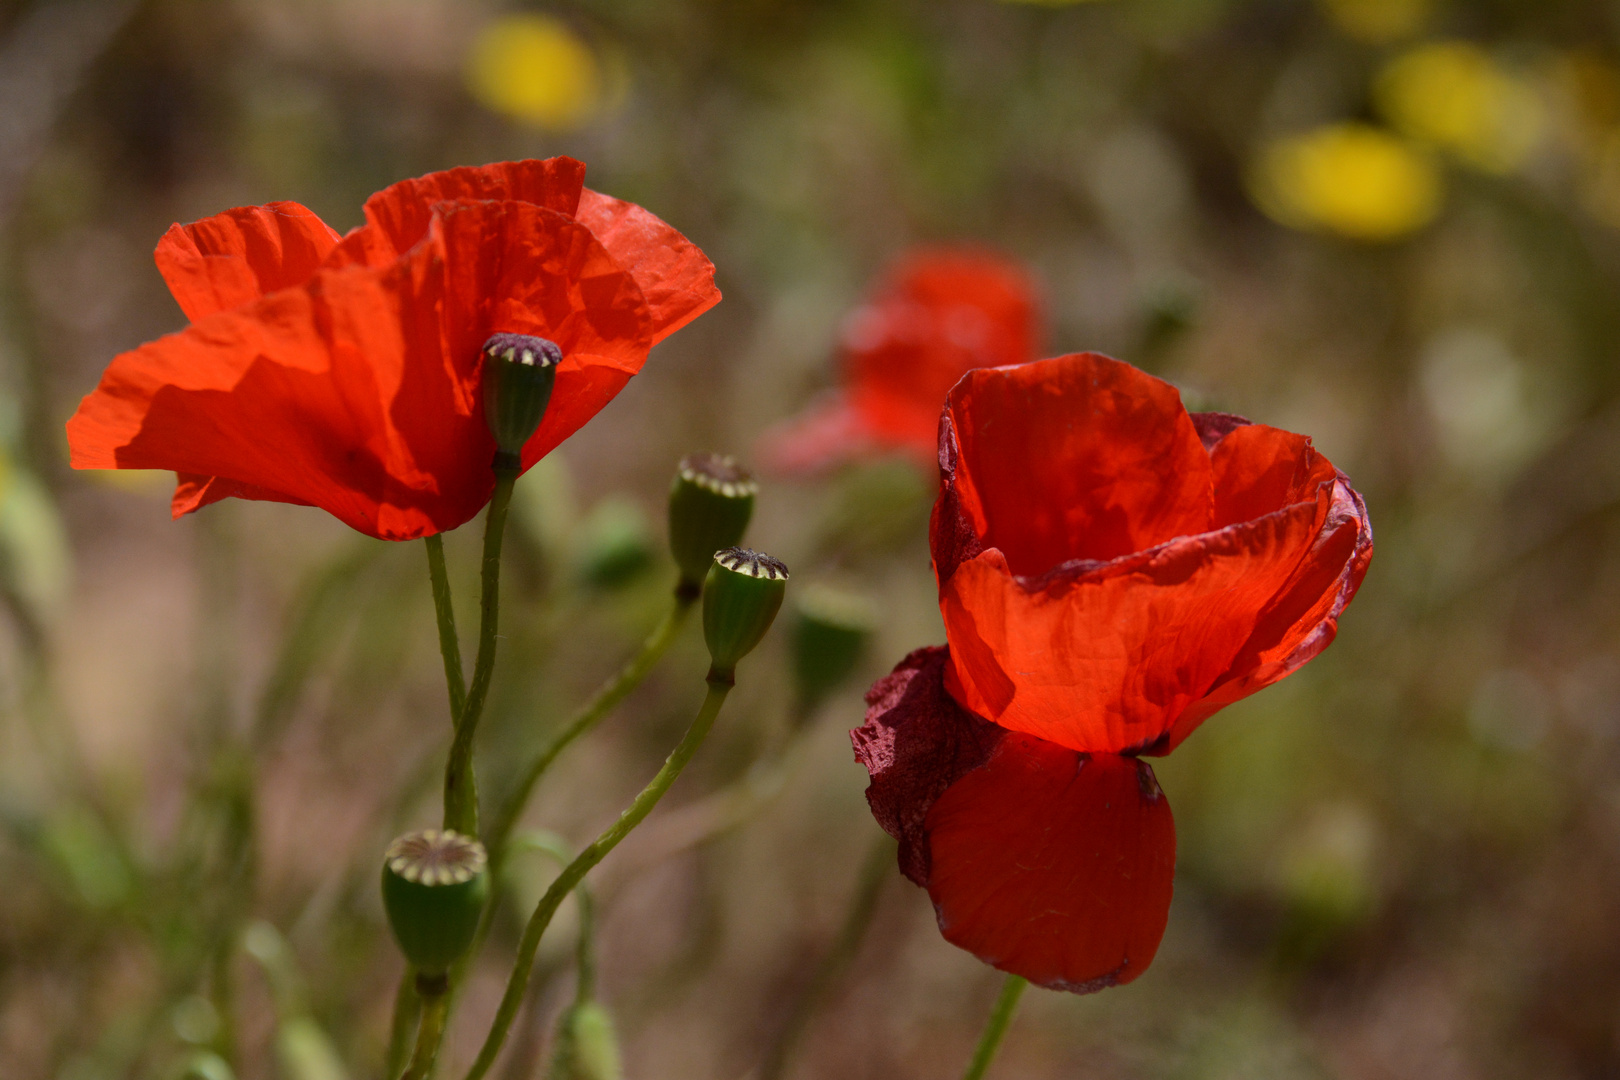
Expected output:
(434, 884)
(830, 631)
(710, 503)
(519, 372)
(741, 597)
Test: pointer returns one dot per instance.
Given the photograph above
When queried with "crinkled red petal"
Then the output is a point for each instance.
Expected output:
(916, 742)
(675, 277)
(236, 257)
(1080, 457)
(357, 391)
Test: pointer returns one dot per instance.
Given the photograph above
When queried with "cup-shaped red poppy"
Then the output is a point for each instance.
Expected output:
(345, 372)
(1111, 571)
(939, 313)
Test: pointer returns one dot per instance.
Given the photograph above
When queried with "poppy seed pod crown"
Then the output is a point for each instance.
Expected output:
(434, 883)
(710, 504)
(519, 373)
(741, 597)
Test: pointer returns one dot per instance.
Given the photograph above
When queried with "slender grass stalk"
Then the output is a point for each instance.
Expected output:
(875, 872)
(995, 1029)
(445, 612)
(594, 711)
(430, 1033)
(575, 872)
(460, 787)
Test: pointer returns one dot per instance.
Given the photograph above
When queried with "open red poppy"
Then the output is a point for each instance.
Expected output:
(939, 313)
(1112, 571)
(343, 372)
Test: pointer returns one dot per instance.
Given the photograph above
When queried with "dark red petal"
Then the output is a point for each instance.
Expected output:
(1106, 657)
(1215, 426)
(916, 742)
(397, 217)
(1077, 458)
(940, 313)
(236, 257)
(1054, 865)
(675, 277)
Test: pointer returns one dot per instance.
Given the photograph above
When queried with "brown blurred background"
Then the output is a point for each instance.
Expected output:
(1389, 224)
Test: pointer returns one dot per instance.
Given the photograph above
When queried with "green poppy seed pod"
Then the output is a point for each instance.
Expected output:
(830, 631)
(709, 507)
(741, 597)
(519, 372)
(587, 1046)
(434, 884)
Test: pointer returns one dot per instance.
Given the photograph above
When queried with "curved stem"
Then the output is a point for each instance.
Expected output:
(460, 789)
(575, 872)
(429, 1036)
(875, 873)
(606, 698)
(407, 1006)
(445, 612)
(996, 1027)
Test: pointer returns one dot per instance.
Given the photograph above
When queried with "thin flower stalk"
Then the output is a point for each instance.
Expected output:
(575, 872)
(996, 1028)
(460, 787)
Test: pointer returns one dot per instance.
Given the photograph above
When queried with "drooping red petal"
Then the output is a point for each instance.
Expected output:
(676, 278)
(1077, 458)
(232, 258)
(1105, 658)
(1054, 865)
(192, 492)
(916, 742)
(357, 391)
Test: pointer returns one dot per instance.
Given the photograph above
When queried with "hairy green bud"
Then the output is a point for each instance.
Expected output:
(519, 372)
(710, 503)
(741, 597)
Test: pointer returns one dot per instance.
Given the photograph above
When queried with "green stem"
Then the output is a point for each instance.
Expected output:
(996, 1028)
(460, 787)
(604, 701)
(575, 872)
(429, 1036)
(875, 873)
(445, 611)
(407, 1006)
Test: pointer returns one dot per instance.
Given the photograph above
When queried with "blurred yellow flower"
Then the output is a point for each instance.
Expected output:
(1456, 96)
(137, 481)
(1355, 180)
(535, 70)
(1378, 21)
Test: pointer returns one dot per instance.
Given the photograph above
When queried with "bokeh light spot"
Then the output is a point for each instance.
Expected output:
(535, 70)
(1378, 22)
(1454, 95)
(1354, 180)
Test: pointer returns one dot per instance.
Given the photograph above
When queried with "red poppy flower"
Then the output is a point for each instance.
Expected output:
(1111, 572)
(343, 372)
(940, 313)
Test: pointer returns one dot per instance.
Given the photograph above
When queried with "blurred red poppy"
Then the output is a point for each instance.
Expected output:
(343, 372)
(1111, 571)
(939, 313)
